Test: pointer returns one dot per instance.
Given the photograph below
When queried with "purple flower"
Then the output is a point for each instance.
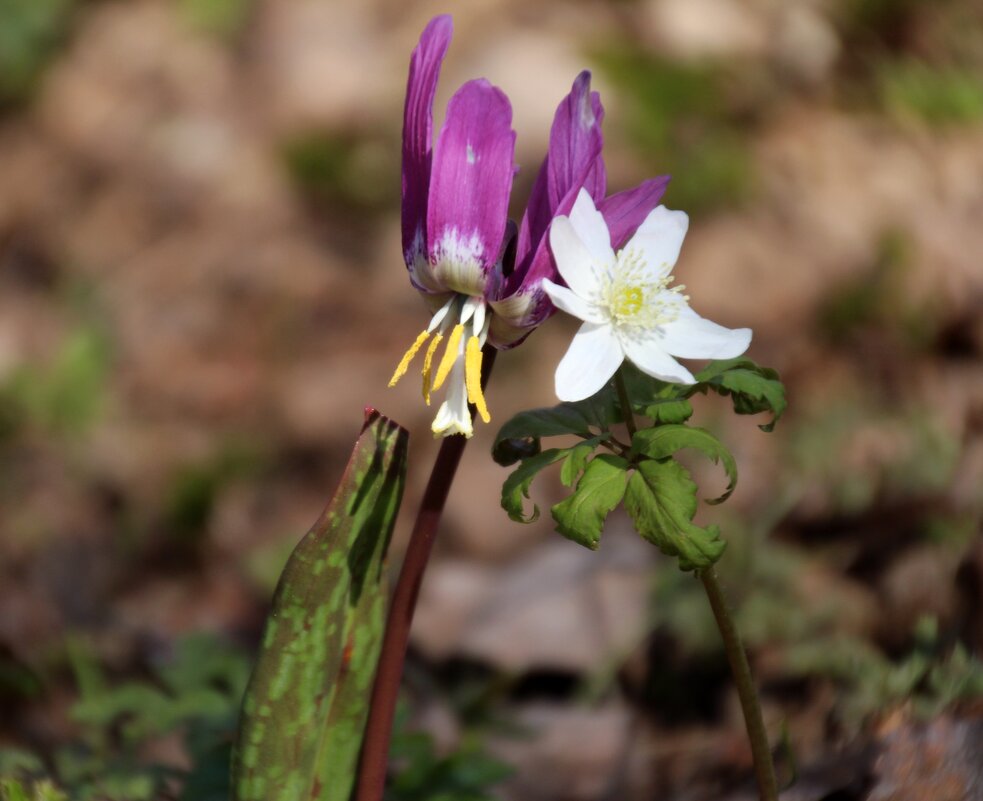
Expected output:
(482, 278)
(455, 217)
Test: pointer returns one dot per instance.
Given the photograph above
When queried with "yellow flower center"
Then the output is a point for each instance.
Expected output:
(633, 299)
(628, 301)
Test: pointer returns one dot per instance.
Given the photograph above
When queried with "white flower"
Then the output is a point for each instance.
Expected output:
(628, 308)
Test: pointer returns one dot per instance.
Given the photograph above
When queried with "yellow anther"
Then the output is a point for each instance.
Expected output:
(472, 377)
(428, 365)
(449, 357)
(404, 363)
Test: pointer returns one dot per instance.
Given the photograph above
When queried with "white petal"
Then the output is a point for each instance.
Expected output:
(592, 359)
(573, 259)
(692, 337)
(453, 416)
(649, 356)
(659, 239)
(571, 303)
(593, 231)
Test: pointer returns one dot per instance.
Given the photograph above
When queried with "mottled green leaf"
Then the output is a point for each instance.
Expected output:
(661, 500)
(753, 389)
(666, 440)
(516, 486)
(304, 712)
(581, 516)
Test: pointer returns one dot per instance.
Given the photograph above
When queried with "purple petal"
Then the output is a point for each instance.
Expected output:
(575, 144)
(418, 131)
(573, 161)
(535, 220)
(471, 177)
(625, 211)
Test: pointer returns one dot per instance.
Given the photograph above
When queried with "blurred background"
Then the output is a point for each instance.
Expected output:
(201, 286)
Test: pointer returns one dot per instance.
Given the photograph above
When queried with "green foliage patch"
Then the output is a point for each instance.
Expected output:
(657, 491)
(30, 34)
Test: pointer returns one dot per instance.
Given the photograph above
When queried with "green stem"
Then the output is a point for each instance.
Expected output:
(625, 402)
(764, 770)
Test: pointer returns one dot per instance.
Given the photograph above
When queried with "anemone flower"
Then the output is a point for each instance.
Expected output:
(626, 302)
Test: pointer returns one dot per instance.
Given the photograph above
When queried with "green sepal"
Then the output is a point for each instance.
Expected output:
(519, 437)
(661, 501)
(752, 389)
(304, 711)
(516, 486)
(665, 440)
(581, 516)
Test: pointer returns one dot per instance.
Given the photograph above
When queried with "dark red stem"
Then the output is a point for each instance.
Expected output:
(385, 691)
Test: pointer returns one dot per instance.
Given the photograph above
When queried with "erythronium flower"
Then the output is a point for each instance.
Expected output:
(459, 248)
(626, 302)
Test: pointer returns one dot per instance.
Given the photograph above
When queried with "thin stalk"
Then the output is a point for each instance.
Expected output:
(625, 402)
(764, 770)
(385, 691)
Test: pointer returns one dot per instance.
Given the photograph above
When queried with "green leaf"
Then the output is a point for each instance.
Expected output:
(305, 709)
(663, 441)
(516, 486)
(661, 500)
(577, 458)
(581, 516)
(668, 410)
(519, 437)
(753, 389)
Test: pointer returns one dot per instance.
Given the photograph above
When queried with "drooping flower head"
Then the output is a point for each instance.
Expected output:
(455, 207)
(627, 303)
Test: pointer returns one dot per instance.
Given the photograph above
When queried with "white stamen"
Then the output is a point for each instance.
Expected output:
(479, 316)
(442, 312)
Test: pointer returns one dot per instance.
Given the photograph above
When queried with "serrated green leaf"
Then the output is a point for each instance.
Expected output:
(305, 709)
(577, 458)
(519, 437)
(516, 486)
(753, 389)
(644, 389)
(661, 500)
(668, 410)
(664, 441)
(581, 516)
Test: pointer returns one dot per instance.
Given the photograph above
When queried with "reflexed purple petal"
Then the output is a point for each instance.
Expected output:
(471, 177)
(536, 218)
(418, 130)
(575, 144)
(625, 211)
(574, 161)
